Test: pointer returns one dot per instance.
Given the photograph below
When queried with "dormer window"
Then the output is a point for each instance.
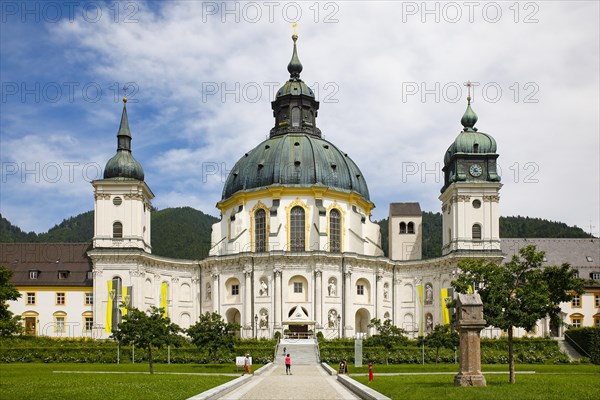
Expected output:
(34, 274)
(589, 258)
(63, 274)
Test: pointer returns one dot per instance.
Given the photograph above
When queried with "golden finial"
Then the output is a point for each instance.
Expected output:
(468, 84)
(295, 34)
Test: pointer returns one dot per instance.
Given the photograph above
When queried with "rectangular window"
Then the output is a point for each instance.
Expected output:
(297, 287)
(60, 324)
(576, 301)
(89, 298)
(89, 324)
(63, 274)
(597, 300)
(360, 290)
(30, 298)
(235, 290)
(34, 274)
(576, 322)
(60, 298)
(596, 276)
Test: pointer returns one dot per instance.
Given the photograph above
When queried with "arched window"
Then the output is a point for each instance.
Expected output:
(297, 234)
(476, 232)
(260, 231)
(410, 227)
(335, 231)
(402, 227)
(117, 230)
(295, 116)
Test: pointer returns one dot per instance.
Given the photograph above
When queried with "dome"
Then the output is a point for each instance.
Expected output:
(471, 142)
(123, 165)
(295, 88)
(295, 160)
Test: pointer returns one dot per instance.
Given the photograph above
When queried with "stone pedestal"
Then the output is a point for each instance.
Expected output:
(469, 324)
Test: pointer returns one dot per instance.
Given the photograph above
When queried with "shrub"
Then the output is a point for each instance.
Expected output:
(586, 341)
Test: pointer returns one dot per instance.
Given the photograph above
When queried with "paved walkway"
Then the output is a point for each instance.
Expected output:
(308, 382)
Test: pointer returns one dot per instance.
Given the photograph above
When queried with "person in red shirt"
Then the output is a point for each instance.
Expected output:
(288, 365)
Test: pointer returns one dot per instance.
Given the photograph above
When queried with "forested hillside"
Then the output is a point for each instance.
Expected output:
(185, 232)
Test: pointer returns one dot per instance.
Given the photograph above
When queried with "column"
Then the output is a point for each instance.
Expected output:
(216, 292)
(379, 296)
(318, 298)
(277, 300)
(349, 302)
(248, 299)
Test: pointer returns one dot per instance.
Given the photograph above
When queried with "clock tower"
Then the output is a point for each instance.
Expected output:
(470, 196)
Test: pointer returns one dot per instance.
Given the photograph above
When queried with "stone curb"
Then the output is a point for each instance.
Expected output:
(227, 387)
(362, 391)
(328, 369)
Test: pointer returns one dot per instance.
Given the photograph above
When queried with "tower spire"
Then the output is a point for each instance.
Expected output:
(295, 66)
(469, 118)
(124, 135)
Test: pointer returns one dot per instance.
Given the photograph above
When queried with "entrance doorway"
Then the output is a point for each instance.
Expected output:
(31, 326)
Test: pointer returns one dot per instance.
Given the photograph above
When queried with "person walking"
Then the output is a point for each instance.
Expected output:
(247, 364)
(288, 365)
(284, 350)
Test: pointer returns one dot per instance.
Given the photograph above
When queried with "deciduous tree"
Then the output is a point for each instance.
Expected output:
(9, 324)
(148, 331)
(212, 333)
(388, 335)
(518, 293)
(442, 337)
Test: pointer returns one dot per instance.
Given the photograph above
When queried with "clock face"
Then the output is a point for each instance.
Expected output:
(475, 170)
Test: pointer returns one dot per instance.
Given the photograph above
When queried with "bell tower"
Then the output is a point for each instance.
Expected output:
(470, 196)
(122, 199)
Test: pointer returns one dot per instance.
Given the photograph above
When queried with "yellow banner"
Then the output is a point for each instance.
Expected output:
(125, 300)
(421, 312)
(445, 299)
(163, 298)
(109, 304)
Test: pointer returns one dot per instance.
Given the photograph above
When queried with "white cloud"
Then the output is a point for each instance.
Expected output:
(370, 55)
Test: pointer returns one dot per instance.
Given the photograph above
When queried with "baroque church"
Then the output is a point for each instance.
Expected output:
(295, 250)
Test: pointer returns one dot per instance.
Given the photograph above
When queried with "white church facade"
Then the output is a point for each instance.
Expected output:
(295, 250)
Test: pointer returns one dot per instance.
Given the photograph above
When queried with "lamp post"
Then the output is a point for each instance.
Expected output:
(255, 326)
(339, 320)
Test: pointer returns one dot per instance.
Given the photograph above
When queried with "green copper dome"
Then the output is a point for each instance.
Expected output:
(470, 141)
(122, 165)
(295, 160)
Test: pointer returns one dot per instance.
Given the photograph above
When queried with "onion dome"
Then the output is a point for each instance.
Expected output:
(122, 165)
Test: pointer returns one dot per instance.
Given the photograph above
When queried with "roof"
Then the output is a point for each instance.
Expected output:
(48, 259)
(576, 252)
(405, 209)
(295, 160)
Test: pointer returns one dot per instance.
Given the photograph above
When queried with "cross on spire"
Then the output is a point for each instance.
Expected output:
(468, 84)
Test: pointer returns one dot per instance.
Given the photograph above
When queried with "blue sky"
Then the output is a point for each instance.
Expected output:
(389, 76)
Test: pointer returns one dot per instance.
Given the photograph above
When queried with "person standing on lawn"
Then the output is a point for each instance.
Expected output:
(288, 365)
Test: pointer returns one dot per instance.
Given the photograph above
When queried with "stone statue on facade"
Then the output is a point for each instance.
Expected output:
(264, 288)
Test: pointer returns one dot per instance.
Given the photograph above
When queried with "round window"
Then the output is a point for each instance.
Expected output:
(117, 201)
(476, 203)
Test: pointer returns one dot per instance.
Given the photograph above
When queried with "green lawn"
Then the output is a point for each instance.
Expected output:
(40, 381)
(548, 382)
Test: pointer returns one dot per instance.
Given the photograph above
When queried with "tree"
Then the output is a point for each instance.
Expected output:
(559, 278)
(516, 294)
(9, 324)
(442, 337)
(388, 335)
(148, 331)
(212, 333)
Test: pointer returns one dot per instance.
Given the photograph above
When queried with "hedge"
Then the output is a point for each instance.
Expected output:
(48, 350)
(586, 341)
